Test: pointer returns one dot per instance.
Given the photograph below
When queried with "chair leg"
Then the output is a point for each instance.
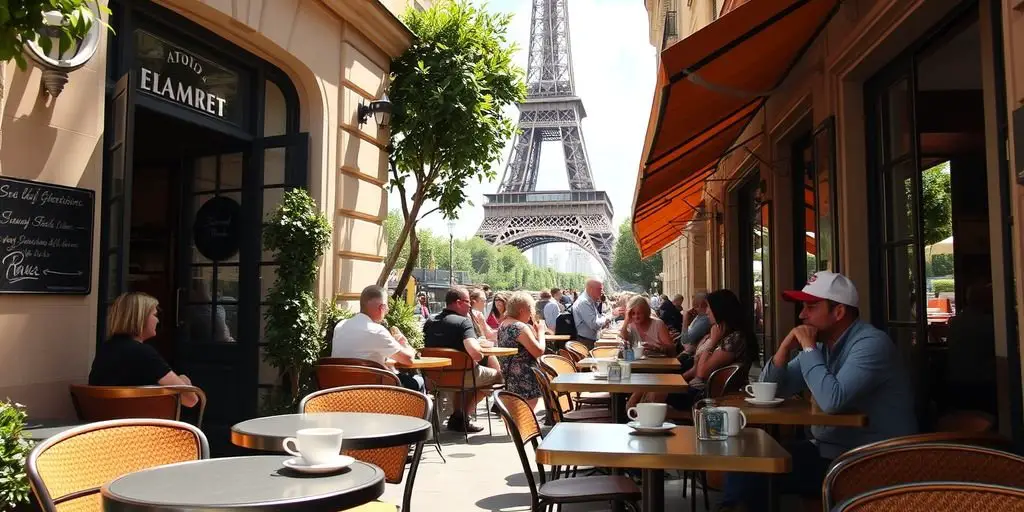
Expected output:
(436, 419)
(704, 488)
(686, 476)
(462, 404)
(487, 404)
(693, 492)
(411, 478)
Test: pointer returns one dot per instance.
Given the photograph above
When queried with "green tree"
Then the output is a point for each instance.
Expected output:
(626, 262)
(449, 91)
(936, 204)
(22, 20)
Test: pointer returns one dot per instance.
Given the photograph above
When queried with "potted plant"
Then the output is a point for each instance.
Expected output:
(14, 448)
(402, 316)
(297, 233)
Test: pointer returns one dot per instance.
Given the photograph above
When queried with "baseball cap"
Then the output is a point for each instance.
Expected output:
(825, 285)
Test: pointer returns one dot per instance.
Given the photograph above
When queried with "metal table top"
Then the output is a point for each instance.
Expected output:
(362, 430)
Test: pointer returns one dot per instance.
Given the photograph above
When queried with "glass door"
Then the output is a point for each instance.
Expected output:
(898, 255)
(755, 269)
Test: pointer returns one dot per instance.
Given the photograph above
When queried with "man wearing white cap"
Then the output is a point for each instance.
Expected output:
(848, 365)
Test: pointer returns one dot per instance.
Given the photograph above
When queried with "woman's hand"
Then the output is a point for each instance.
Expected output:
(716, 333)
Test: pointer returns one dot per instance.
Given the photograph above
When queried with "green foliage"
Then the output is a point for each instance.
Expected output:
(22, 20)
(450, 91)
(626, 262)
(943, 286)
(298, 234)
(936, 204)
(14, 490)
(939, 265)
(330, 314)
(401, 316)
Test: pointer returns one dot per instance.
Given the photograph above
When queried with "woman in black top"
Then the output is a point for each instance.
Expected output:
(124, 360)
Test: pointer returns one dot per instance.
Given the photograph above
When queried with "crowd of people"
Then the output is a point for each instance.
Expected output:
(843, 362)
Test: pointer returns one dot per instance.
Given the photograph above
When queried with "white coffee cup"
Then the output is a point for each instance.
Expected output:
(315, 445)
(601, 366)
(638, 352)
(761, 391)
(648, 414)
(737, 420)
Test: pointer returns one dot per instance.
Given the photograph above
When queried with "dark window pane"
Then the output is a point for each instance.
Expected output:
(273, 166)
(227, 283)
(899, 201)
(898, 127)
(231, 171)
(901, 267)
(205, 174)
(268, 273)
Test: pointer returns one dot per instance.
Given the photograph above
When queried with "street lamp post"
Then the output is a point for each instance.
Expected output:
(451, 251)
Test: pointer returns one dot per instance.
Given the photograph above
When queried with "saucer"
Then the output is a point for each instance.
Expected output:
(764, 403)
(299, 464)
(600, 376)
(665, 428)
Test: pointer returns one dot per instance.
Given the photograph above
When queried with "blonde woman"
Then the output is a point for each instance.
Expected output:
(520, 329)
(640, 325)
(478, 301)
(124, 360)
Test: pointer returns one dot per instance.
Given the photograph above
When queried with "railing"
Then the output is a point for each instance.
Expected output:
(555, 197)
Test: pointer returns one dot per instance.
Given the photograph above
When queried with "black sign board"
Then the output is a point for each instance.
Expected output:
(215, 230)
(45, 238)
(182, 77)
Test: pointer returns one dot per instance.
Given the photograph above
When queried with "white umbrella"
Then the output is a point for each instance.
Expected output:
(943, 247)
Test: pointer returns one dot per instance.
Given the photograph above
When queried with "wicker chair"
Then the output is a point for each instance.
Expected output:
(66, 471)
(604, 352)
(912, 463)
(937, 496)
(351, 361)
(452, 378)
(560, 406)
(384, 400)
(572, 356)
(336, 375)
(559, 365)
(966, 421)
(983, 439)
(523, 426)
(577, 348)
(100, 403)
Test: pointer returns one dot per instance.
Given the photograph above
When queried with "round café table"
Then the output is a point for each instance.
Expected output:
(241, 483)
(421, 363)
(499, 351)
(363, 430)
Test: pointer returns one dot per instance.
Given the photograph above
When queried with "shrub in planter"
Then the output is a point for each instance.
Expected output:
(14, 490)
(943, 285)
(402, 316)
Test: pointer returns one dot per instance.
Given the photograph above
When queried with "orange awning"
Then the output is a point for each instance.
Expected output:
(710, 86)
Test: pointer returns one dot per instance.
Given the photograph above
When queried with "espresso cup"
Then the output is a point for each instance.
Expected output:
(737, 420)
(601, 366)
(761, 391)
(648, 415)
(315, 445)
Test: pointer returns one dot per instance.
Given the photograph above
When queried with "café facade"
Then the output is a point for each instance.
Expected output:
(147, 161)
(791, 136)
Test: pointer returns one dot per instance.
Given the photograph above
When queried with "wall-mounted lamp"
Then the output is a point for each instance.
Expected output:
(381, 110)
(57, 65)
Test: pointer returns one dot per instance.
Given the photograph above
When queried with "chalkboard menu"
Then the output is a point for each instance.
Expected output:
(45, 238)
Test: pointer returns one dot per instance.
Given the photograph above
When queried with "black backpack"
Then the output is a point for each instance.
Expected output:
(565, 323)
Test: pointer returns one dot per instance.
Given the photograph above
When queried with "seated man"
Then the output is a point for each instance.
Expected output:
(452, 328)
(363, 337)
(847, 365)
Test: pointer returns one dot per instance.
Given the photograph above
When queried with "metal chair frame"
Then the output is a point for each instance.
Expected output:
(862, 502)
(326, 371)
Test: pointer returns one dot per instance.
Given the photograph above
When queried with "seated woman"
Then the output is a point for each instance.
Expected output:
(484, 332)
(732, 341)
(124, 360)
(522, 330)
(497, 310)
(640, 325)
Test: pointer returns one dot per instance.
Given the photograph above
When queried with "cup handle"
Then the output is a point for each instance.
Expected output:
(632, 413)
(744, 418)
(294, 451)
(749, 389)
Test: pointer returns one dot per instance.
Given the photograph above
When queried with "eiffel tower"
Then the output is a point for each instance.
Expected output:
(519, 214)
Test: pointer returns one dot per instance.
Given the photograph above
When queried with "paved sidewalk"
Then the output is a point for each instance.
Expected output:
(487, 475)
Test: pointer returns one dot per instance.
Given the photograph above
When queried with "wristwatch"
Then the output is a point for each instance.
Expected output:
(809, 349)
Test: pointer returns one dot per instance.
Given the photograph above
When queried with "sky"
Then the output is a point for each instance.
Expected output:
(614, 67)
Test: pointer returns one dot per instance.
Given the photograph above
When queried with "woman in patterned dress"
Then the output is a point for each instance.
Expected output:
(520, 329)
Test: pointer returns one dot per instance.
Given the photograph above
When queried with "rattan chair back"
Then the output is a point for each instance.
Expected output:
(378, 399)
(726, 379)
(572, 356)
(557, 365)
(523, 426)
(551, 402)
(336, 375)
(66, 471)
(603, 352)
(450, 377)
(351, 361)
(937, 496)
(101, 403)
(984, 439)
(966, 421)
(577, 348)
(912, 463)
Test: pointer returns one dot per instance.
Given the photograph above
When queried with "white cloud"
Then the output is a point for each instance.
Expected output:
(614, 67)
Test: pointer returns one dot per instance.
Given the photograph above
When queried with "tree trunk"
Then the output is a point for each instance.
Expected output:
(410, 264)
(396, 251)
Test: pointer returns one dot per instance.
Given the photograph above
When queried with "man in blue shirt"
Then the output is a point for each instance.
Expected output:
(848, 365)
(589, 320)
